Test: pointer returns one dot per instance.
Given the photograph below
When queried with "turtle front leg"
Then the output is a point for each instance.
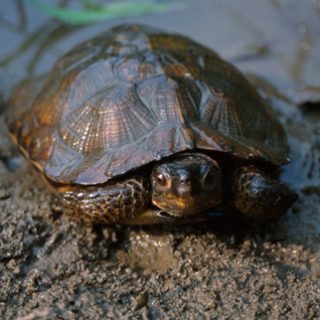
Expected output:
(258, 195)
(118, 202)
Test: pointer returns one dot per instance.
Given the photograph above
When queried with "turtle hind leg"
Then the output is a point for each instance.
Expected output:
(119, 202)
(259, 196)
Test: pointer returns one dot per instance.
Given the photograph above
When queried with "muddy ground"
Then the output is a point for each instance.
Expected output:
(52, 268)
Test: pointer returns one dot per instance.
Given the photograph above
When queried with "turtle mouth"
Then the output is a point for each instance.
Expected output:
(204, 215)
(188, 210)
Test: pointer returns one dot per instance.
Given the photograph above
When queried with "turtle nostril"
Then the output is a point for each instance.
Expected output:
(184, 180)
(184, 186)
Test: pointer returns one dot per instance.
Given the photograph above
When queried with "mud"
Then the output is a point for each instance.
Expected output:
(52, 268)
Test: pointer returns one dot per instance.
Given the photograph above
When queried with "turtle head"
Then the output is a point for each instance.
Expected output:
(186, 184)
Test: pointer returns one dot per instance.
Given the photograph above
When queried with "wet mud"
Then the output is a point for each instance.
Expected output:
(53, 268)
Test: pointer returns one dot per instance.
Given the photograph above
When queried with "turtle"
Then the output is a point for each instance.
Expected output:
(141, 126)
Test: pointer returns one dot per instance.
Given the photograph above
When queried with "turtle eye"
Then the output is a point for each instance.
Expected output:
(208, 178)
(161, 180)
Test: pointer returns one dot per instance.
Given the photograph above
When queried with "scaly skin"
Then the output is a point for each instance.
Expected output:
(259, 196)
(118, 202)
(136, 201)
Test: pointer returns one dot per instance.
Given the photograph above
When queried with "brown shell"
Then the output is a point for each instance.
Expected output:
(134, 95)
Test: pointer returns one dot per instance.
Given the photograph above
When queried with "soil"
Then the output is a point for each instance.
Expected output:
(53, 268)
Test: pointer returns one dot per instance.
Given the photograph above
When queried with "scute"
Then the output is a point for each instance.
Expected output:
(134, 95)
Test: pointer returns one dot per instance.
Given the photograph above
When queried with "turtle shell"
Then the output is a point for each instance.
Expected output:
(134, 95)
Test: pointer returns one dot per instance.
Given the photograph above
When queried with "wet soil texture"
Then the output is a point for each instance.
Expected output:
(52, 268)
